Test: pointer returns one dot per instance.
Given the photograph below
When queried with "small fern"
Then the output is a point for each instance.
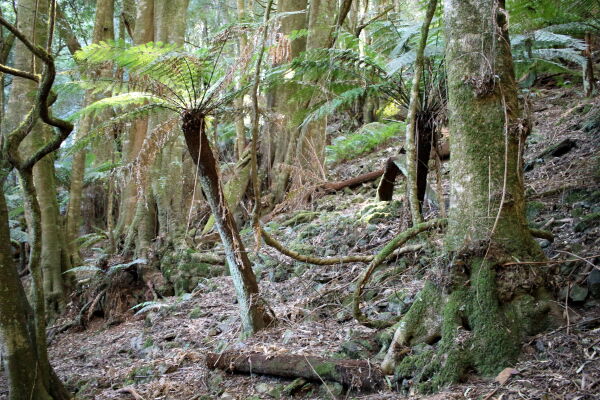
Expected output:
(364, 140)
(148, 306)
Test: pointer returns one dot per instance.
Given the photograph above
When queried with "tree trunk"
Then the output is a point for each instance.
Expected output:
(167, 190)
(412, 128)
(284, 134)
(255, 313)
(103, 30)
(19, 105)
(588, 67)
(142, 33)
(476, 311)
(358, 374)
(310, 152)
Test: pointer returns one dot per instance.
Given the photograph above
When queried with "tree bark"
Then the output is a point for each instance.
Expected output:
(355, 374)
(255, 313)
(476, 311)
(412, 131)
(103, 30)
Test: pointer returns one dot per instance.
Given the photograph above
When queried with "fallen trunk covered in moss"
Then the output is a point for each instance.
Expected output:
(356, 374)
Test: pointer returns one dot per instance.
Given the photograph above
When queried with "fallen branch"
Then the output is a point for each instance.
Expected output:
(359, 374)
(383, 254)
(352, 182)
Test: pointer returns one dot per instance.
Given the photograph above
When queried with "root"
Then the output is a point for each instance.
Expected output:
(270, 241)
(387, 250)
(541, 234)
(463, 326)
(274, 243)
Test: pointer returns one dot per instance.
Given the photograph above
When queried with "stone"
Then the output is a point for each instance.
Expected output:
(593, 282)
(578, 293)
(227, 396)
(331, 388)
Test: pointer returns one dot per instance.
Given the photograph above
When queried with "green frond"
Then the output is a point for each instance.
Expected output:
(115, 268)
(148, 306)
(98, 132)
(121, 101)
(84, 268)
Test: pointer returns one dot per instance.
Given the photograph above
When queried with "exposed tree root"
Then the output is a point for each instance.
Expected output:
(274, 243)
(269, 240)
(359, 374)
(383, 254)
(464, 324)
(541, 234)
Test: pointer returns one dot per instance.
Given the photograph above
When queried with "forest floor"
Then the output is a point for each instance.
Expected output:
(160, 354)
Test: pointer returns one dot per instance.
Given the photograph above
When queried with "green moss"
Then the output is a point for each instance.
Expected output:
(326, 370)
(587, 222)
(195, 313)
(301, 217)
(533, 209)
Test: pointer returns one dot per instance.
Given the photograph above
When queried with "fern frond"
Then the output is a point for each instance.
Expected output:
(120, 102)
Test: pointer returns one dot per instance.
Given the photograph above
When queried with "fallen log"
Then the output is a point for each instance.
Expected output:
(354, 374)
(352, 182)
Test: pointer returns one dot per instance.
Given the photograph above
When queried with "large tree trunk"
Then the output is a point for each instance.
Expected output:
(310, 152)
(255, 313)
(128, 224)
(477, 310)
(19, 105)
(284, 135)
(103, 30)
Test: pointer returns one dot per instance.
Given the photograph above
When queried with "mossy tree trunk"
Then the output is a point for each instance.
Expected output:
(476, 309)
(255, 313)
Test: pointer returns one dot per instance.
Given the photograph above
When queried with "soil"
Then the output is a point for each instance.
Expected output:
(160, 353)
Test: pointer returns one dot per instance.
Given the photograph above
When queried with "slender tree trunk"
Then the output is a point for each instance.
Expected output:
(32, 17)
(411, 122)
(588, 68)
(476, 311)
(255, 313)
(169, 27)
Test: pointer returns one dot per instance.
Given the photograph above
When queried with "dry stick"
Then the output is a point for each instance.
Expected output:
(553, 261)
(253, 157)
(411, 132)
(384, 253)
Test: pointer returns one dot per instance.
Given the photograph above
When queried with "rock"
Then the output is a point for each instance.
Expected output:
(137, 342)
(357, 349)
(593, 281)
(296, 386)
(263, 388)
(578, 293)
(544, 243)
(587, 222)
(329, 389)
(227, 396)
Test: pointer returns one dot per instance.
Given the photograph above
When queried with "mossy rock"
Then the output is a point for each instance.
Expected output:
(301, 217)
(374, 213)
(587, 222)
(533, 210)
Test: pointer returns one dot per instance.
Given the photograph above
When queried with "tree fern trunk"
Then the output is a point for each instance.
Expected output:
(254, 312)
